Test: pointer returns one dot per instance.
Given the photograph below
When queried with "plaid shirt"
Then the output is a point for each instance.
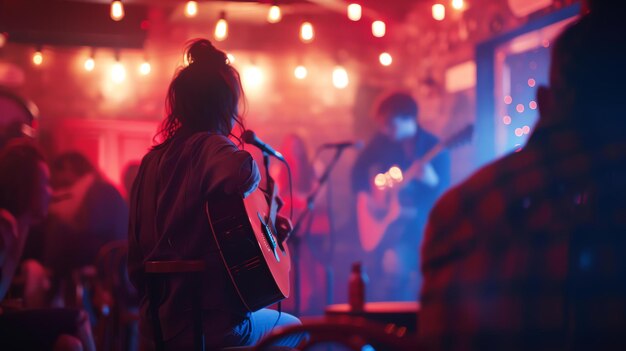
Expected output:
(530, 252)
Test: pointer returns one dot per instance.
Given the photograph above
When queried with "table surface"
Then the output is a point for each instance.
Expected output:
(378, 307)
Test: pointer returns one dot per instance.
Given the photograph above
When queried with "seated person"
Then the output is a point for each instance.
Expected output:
(529, 252)
(194, 164)
(88, 210)
(24, 197)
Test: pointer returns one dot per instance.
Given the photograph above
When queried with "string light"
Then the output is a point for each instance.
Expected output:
(385, 59)
(300, 72)
(395, 173)
(90, 64)
(221, 28)
(379, 28)
(458, 4)
(118, 71)
(307, 32)
(191, 9)
(145, 68)
(274, 15)
(354, 12)
(531, 83)
(506, 120)
(519, 108)
(117, 10)
(380, 181)
(231, 58)
(532, 105)
(340, 77)
(252, 77)
(508, 100)
(3, 39)
(439, 12)
(38, 57)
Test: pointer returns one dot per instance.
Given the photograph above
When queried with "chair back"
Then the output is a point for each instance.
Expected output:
(157, 271)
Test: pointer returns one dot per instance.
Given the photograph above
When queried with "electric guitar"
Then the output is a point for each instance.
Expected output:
(257, 263)
(376, 212)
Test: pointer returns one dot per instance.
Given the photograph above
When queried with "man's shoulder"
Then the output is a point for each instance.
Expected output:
(8, 223)
(474, 189)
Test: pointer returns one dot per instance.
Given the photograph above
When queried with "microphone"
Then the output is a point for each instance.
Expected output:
(249, 137)
(358, 144)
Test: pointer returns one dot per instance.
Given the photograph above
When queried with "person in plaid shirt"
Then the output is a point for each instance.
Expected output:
(530, 252)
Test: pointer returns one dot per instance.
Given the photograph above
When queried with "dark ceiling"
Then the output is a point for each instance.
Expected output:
(87, 22)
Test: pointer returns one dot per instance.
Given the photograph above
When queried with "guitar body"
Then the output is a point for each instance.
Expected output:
(373, 225)
(256, 263)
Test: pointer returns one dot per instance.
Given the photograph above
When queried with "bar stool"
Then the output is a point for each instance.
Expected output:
(156, 271)
(193, 269)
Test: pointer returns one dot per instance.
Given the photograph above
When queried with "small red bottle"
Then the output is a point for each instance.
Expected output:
(356, 287)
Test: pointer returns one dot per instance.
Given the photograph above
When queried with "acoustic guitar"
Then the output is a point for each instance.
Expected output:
(257, 263)
(376, 213)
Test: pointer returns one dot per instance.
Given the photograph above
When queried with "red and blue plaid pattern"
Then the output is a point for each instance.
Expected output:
(530, 252)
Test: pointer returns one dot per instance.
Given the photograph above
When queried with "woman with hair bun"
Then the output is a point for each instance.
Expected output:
(194, 161)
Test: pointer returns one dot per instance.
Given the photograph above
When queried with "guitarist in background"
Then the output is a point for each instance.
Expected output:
(194, 164)
(400, 141)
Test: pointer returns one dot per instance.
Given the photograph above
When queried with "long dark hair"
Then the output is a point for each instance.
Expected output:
(19, 163)
(204, 95)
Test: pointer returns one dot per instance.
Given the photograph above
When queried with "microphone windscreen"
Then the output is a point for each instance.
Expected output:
(248, 136)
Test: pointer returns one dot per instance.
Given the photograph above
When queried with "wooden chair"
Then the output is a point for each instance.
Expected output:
(158, 270)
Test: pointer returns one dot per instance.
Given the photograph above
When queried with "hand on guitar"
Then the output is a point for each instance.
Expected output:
(283, 228)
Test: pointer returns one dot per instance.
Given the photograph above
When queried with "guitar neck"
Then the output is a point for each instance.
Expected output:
(432, 153)
(428, 156)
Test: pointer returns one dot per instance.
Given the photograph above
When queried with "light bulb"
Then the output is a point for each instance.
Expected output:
(117, 10)
(118, 73)
(306, 32)
(191, 9)
(385, 59)
(396, 173)
(340, 77)
(380, 181)
(354, 12)
(231, 58)
(439, 12)
(252, 77)
(221, 28)
(145, 68)
(38, 58)
(458, 4)
(90, 64)
(274, 15)
(379, 28)
(300, 72)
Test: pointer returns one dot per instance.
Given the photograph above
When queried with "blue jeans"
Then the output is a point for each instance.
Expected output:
(260, 324)
(247, 333)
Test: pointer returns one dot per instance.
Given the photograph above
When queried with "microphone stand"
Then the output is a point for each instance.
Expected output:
(310, 204)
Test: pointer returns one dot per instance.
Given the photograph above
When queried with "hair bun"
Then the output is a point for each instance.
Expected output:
(202, 51)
